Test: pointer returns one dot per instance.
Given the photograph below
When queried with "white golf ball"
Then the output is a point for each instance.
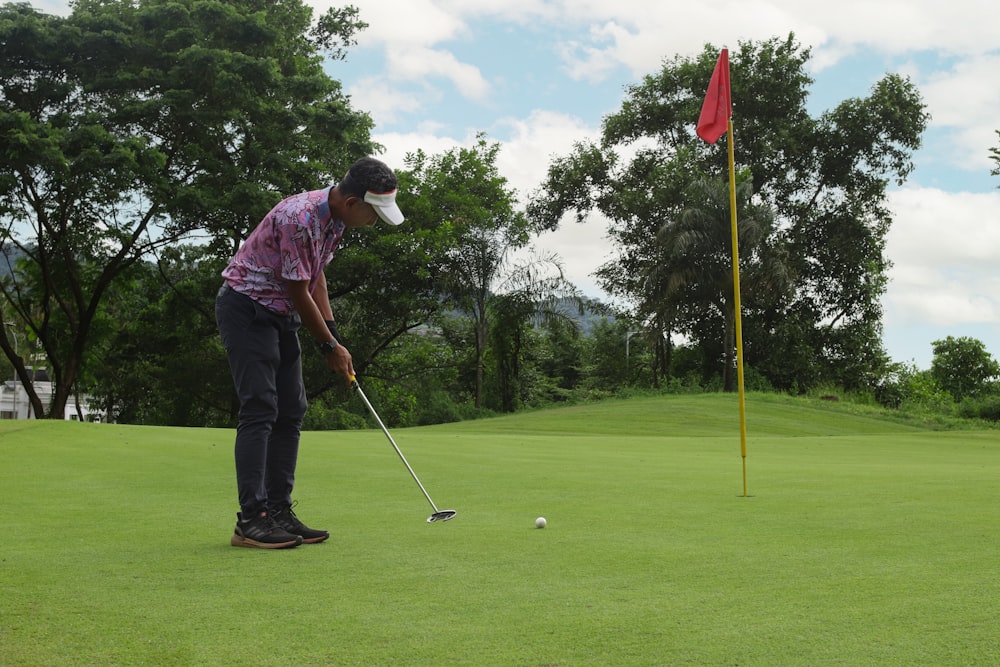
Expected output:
(540, 522)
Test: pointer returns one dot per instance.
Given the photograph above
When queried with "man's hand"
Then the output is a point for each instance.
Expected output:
(340, 361)
(314, 315)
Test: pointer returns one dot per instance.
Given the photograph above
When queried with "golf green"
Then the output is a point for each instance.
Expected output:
(863, 541)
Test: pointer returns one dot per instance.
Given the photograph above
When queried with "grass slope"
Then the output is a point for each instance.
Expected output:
(863, 542)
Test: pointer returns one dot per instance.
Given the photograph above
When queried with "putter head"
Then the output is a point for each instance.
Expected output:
(443, 515)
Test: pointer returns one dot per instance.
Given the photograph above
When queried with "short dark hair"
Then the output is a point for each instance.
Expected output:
(368, 174)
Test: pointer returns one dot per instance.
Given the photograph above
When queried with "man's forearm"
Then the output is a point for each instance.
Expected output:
(321, 296)
(310, 312)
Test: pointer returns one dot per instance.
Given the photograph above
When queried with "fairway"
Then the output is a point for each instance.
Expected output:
(864, 541)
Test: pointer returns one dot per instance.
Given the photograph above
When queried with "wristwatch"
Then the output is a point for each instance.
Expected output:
(327, 346)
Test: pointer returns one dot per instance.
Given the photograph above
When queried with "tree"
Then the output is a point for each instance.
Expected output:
(471, 198)
(694, 274)
(559, 355)
(825, 179)
(127, 126)
(963, 367)
(385, 282)
(906, 386)
(532, 296)
(159, 358)
(508, 316)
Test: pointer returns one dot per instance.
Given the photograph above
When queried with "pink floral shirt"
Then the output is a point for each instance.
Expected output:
(294, 242)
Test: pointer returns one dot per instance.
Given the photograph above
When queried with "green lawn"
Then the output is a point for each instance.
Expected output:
(864, 541)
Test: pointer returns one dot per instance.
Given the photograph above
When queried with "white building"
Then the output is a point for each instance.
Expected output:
(14, 403)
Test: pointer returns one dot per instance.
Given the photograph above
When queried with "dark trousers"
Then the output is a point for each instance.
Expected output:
(266, 363)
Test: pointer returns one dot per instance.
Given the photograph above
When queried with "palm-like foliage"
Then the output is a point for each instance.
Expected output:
(694, 271)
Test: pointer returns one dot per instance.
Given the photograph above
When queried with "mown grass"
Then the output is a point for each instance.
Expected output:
(865, 541)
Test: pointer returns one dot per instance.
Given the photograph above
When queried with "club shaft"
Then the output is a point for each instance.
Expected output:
(394, 446)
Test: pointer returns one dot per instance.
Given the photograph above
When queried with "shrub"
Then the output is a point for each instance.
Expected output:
(987, 408)
(908, 387)
(322, 417)
(441, 408)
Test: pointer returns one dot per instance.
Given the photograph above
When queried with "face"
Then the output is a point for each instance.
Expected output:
(359, 213)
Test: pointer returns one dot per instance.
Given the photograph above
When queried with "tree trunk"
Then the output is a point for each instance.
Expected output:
(480, 364)
(34, 401)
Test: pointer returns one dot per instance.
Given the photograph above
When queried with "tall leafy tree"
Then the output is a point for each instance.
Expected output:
(694, 274)
(559, 357)
(606, 357)
(825, 178)
(471, 198)
(533, 295)
(509, 316)
(127, 126)
(384, 283)
(963, 367)
(159, 356)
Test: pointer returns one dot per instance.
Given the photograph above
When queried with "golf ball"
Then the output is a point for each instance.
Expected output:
(540, 522)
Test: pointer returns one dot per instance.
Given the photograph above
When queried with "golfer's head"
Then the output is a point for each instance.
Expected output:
(373, 183)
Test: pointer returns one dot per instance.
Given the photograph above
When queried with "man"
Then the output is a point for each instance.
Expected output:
(274, 285)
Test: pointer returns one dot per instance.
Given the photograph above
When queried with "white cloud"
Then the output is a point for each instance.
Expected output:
(945, 248)
(638, 34)
(524, 160)
(57, 7)
(534, 141)
(932, 227)
(406, 87)
(402, 23)
(965, 100)
(943, 296)
(594, 39)
(430, 140)
(385, 102)
(417, 63)
(585, 63)
(515, 11)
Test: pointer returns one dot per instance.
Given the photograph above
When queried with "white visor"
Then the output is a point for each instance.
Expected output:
(385, 205)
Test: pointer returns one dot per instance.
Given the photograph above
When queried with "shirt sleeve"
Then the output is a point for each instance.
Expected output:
(298, 261)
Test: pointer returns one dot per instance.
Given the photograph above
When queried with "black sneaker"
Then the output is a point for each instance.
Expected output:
(261, 532)
(285, 518)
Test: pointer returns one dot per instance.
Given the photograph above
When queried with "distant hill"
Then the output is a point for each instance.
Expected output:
(593, 311)
(10, 254)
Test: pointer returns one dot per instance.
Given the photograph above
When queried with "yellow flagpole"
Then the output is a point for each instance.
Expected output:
(736, 301)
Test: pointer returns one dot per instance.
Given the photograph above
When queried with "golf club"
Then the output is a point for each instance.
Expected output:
(439, 515)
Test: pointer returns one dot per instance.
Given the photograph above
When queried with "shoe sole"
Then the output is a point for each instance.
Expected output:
(238, 541)
(315, 540)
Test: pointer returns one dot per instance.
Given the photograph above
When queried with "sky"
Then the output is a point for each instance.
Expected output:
(539, 75)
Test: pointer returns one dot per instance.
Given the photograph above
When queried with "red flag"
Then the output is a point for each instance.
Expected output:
(718, 106)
